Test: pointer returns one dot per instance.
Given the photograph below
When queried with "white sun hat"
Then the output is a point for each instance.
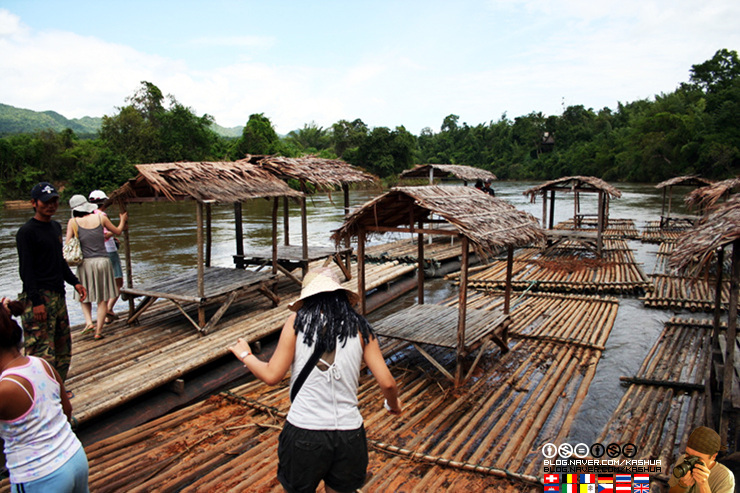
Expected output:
(78, 203)
(322, 280)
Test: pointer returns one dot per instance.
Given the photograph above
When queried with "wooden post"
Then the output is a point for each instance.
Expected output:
(239, 261)
(201, 270)
(576, 207)
(552, 209)
(544, 209)
(361, 270)
(274, 235)
(462, 312)
(208, 235)
(509, 268)
(129, 269)
(662, 208)
(420, 273)
(348, 257)
(304, 235)
(714, 344)
(286, 221)
(600, 225)
(730, 338)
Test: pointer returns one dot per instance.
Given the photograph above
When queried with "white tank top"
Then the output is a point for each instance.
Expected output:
(328, 399)
(40, 441)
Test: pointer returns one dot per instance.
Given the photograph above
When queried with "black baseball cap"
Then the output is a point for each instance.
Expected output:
(44, 192)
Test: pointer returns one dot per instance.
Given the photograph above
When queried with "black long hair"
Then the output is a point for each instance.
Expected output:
(329, 318)
(10, 332)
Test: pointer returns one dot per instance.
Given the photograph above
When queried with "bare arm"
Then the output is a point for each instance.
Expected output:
(70, 231)
(374, 360)
(271, 372)
(116, 230)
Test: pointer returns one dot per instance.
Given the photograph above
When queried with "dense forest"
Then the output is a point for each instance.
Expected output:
(693, 130)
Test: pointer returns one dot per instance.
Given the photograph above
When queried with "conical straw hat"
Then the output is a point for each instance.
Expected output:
(322, 280)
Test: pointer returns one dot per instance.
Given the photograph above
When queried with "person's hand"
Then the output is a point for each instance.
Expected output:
(5, 302)
(700, 473)
(397, 409)
(687, 481)
(241, 349)
(81, 291)
(108, 235)
(39, 313)
(123, 217)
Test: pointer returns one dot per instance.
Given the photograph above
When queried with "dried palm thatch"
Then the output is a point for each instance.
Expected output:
(574, 184)
(219, 182)
(324, 174)
(695, 250)
(465, 173)
(689, 180)
(489, 223)
(708, 196)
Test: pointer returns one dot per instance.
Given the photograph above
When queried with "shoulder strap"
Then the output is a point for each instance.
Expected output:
(8, 379)
(303, 375)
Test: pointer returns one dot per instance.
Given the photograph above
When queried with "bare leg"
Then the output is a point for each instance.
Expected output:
(102, 310)
(87, 312)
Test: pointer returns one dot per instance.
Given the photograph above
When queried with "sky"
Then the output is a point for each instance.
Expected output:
(390, 63)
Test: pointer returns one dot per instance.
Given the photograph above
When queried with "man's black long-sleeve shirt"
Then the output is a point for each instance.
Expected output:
(42, 266)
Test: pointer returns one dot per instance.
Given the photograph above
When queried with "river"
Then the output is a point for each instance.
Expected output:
(163, 241)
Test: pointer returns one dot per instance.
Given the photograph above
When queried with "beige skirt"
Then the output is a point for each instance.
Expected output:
(96, 274)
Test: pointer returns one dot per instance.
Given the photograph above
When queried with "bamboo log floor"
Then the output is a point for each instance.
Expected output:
(440, 250)
(135, 359)
(484, 436)
(665, 400)
(571, 269)
(653, 233)
(624, 229)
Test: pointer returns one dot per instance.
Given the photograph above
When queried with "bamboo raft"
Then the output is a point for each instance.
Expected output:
(485, 436)
(566, 270)
(135, 359)
(665, 401)
(653, 233)
(624, 229)
(677, 292)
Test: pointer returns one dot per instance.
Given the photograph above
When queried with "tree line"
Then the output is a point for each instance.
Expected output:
(692, 130)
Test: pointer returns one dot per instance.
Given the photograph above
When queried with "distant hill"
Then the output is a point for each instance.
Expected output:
(18, 121)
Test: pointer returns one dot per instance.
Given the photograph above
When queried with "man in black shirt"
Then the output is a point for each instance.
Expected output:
(43, 271)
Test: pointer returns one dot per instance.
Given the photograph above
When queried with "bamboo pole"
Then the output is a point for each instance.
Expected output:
(462, 311)
(274, 236)
(201, 280)
(239, 232)
(731, 338)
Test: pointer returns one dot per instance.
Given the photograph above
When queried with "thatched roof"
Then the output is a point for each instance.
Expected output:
(466, 173)
(324, 174)
(221, 182)
(706, 197)
(689, 180)
(574, 183)
(488, 222)
(695, 248)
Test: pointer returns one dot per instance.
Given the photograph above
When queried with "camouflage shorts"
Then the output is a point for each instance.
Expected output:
(51, 339)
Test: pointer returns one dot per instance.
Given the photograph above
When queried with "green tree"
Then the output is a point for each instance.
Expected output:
(258, 137)
(346, 137)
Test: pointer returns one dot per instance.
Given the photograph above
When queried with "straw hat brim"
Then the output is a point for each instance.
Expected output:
(322, 285)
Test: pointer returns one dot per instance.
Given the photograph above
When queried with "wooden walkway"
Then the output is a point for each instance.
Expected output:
(568, 270)
(623, 229)
(653, 233)
(485, 436)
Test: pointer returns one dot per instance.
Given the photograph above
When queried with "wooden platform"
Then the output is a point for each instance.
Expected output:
(681, 293)
(654, 233)
(485, 436)
(290, 257)
(440, 250)
(624, 229)
(219, 285)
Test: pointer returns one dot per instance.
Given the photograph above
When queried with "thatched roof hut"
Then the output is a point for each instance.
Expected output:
(693, 254)
(476, 217)
(667, 187)
(489, 223)
(696, 249)
(324, 174)
(687, 181)
(455, 171)
(574, 184)
(213, 182)
(706, 197)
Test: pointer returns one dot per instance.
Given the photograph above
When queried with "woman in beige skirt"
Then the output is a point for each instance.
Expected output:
(95, 272)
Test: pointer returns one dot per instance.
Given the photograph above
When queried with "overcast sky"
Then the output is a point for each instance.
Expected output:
(389, 63)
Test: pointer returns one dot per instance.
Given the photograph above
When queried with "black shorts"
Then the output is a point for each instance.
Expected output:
(308, 456)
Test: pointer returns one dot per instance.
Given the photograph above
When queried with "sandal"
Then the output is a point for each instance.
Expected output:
(87, 329)
(110, 317)
(97, 337)
(70, 394)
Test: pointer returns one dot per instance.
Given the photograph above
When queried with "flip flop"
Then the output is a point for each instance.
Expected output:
(110, 317)
(98, 337)
(87, 329)
(70, 394)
